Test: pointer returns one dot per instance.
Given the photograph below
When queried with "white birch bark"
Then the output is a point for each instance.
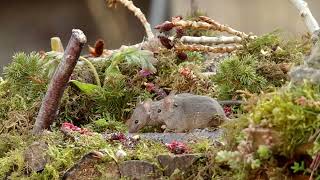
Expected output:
(306, 14)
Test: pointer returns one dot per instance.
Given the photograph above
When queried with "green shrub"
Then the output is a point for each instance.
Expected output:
(237, 73)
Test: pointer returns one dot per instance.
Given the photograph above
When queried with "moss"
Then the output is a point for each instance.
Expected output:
(237, 73)
(108, 124)
(183, 77)
(285, 112)
(233, 132)
(147, 150)
(275, 55)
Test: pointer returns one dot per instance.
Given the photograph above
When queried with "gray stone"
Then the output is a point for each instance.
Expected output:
(181, 137)
(36, 157)
(310, 70)
(181, 162)
(301, 73)
(138, 169)
(87, 169)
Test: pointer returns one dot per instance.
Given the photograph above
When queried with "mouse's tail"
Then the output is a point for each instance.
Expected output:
(231, 102)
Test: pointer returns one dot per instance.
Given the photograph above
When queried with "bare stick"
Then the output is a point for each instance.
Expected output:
(306, 14)
(193, 25)
(58, 83)
(213, 40)
(202, 48)
(137, 12)
(223, 28)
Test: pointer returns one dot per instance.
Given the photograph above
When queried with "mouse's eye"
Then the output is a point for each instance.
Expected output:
(159, 110)
(175, 105)
(136, 121)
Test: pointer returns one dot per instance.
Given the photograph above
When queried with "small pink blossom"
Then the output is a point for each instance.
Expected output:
(145, 73)
(177, 147)
(69, 127)
(227, 110)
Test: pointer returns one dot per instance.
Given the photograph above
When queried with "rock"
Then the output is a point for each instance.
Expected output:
(180, 162)
(138, 169)
(86, 168)
(181, 137)
(300, 73)
(310, 70)
(36, 157)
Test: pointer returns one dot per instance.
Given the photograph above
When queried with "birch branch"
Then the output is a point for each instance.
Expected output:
(193, 25)
(213, 40)
(203, 48)
(58, 83)
(224, 28)
(137, 12)
(306, 14)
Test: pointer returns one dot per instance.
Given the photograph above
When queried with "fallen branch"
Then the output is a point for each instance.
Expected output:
(58, 83)
(193, 25)
(224, 28)
(306, 14)
(203, 48)
(213, 40)
(137, 12)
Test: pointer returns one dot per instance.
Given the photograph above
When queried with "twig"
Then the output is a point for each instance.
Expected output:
(137, 12)
(58, 83)
(224, 28)
(197, 47)
(213, 40)
(306, 14)
(193, 25)
(93, 69)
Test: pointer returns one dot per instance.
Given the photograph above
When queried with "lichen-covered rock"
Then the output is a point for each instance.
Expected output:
(87, 168)
(301, 73)
(310, 70)
(36, 157)
(137, 169)
(172, 162)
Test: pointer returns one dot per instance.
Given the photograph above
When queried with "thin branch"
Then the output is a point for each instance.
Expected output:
(59, 81)
(193, 25)
(202, 48)
(213, 40)
(137, 12)
(224, 28)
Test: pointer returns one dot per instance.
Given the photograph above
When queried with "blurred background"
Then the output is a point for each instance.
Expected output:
(28, 25)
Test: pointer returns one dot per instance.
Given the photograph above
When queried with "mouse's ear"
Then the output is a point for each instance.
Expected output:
(173, 92)
(147, 105)
(168, 102)
(139, 101)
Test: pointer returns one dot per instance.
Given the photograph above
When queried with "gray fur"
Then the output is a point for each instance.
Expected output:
(179, 113)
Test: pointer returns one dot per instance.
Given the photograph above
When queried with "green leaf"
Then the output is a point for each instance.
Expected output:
(86, 88)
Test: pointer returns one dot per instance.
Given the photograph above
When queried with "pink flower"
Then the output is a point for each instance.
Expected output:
(72, 128)
(145, 73)
(150, 87)
(227, 110)
(118, 136)
(177, 147)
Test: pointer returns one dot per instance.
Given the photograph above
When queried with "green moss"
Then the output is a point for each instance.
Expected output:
(147, 150)
(170, 77)
(237, 73)
(108, 123)
(275, 55)
(292, 112)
